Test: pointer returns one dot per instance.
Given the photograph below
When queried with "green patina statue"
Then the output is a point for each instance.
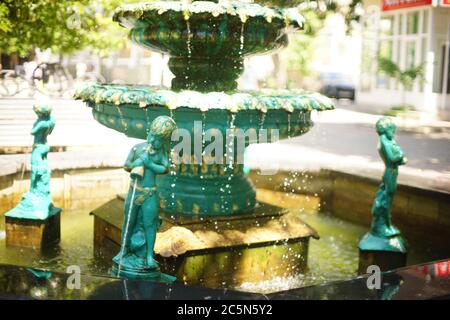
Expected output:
(37, 203)
(384, 236)
(141, 220)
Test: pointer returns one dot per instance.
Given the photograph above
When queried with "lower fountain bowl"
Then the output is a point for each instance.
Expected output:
(207, 171)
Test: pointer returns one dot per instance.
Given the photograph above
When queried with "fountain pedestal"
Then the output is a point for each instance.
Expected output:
(385, 260)
(33, 233)
(215, 189)
(386, 253)
(216, 251)
(214, 233)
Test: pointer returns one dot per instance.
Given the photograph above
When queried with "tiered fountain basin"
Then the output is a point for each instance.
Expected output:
(212, 221)
(207, 42)
(198, 185)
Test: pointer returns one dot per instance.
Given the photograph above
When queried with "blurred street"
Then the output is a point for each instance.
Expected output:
(349, 133)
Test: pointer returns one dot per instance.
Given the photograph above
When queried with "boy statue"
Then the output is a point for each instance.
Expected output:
(141, 220)
(383, 235)
(37, 203)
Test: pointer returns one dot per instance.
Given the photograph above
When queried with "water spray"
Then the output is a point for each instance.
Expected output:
(127, 226)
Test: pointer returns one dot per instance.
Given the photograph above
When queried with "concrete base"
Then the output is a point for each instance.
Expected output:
(217, 251)
(386, 260)
(33, 233)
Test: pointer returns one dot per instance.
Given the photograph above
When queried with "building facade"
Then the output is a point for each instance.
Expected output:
(410, 33)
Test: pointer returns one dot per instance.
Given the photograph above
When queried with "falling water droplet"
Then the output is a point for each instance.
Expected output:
(148, 121)
(189, 49)
(241, 46)
(127, 224)
(122, 119)
(261, 121)
(289, 125)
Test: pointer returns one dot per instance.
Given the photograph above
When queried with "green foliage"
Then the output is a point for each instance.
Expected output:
(350, 12)
(405, 77)
(388, 67)
(64, 26)
(300, 50)
(5, 24)
(399, 109)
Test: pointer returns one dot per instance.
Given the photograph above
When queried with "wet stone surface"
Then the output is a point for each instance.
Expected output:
(428, 281)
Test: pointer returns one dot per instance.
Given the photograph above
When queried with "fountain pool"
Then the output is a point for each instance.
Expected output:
(333, 257)
(219, 229)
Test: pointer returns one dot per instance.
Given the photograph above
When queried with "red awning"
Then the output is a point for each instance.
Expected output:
(387, 5)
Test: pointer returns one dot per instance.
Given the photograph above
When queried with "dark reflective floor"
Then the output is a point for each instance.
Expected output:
(429, 281)
(25, 283)
(422, 282)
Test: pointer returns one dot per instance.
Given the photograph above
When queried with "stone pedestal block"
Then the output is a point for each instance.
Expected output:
(385, 260)
(33, 233)
(216, 251)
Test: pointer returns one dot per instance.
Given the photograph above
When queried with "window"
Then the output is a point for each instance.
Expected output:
(410, 54)
(387, 26)
(412, 23)
(424, 50)
(403, 39)
(425, 22)
(385, 49)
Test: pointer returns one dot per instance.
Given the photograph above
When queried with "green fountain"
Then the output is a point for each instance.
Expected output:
(207, 42)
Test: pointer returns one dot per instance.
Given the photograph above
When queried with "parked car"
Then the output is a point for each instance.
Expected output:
(337, 85)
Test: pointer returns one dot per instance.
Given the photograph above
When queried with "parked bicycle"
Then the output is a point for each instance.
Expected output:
(51, 79)
(9, 85)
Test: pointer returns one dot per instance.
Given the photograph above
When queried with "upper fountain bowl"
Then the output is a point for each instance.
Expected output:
(208, 29)
(207, 40)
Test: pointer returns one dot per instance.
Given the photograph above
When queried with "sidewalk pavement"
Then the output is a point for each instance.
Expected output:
(411, 121)
(75, 126)
(346, 141)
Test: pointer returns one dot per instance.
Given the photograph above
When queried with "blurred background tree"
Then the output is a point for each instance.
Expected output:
(67, 26)
(297, 57)
(64, 26)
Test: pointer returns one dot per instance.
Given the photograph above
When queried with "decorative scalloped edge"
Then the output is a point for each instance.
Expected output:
(144, 97)
(290, 16)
